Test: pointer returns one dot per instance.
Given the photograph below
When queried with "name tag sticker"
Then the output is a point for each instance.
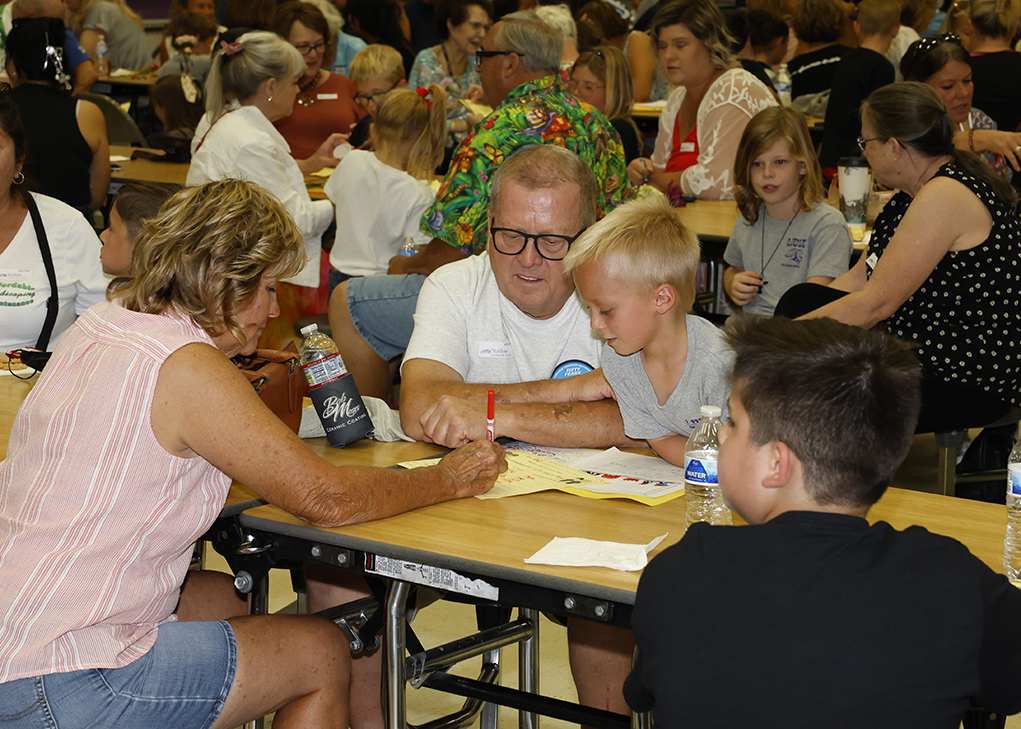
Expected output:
(326, 96)
(872, 260)
(499, 350)
(687, 146)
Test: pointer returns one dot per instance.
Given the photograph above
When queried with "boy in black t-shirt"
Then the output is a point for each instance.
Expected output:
(861, 71)
(809, 616)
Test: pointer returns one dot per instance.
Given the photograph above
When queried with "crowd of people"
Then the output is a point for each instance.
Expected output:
(495, 220)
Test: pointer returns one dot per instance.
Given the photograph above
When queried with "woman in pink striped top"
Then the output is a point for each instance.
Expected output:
(122, 456)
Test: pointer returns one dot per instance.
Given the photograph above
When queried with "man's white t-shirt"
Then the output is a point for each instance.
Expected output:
(465, 322)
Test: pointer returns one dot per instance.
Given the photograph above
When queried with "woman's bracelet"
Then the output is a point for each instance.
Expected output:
(971, 139)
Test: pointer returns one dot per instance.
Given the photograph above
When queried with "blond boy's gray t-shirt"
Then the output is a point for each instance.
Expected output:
(703, 382)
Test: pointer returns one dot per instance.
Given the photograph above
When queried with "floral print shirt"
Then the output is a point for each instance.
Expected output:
(536, 112)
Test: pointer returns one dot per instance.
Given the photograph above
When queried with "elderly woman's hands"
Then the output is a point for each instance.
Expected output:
(473, 468)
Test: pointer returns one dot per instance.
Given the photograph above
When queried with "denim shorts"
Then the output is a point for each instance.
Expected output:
(383, 310)
(182, 682)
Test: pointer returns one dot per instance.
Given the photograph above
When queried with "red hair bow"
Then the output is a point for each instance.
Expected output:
(424, 93)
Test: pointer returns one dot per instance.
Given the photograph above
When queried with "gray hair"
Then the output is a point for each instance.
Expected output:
(539, 45)
(237, 76)
(547, 166)
(559, 18)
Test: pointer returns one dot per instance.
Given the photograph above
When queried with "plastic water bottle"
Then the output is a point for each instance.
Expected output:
(332, 389)
(1012, 542)
(408, 248)
(783, 85)
(701, 484)
(102, 58)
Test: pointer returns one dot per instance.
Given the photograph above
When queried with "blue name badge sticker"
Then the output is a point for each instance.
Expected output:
(570, 368)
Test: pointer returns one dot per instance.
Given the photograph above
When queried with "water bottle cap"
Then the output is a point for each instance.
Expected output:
(710, 411)
(306, 330)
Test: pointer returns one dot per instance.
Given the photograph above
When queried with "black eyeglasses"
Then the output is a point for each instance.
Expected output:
(552, 247)
(306, 48)
(364, 99)
(927, 44)
(481, 55)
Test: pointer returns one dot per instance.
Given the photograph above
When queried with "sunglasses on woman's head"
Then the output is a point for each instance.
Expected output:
(927, 44)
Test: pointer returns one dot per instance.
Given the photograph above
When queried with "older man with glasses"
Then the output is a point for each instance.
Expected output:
(371, 317)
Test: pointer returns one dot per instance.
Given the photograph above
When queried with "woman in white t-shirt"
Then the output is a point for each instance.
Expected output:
(74, 248)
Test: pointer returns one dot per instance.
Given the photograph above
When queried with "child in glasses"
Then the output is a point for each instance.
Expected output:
(380, 195)
(375, 70)
(788, 235)
(636, 271)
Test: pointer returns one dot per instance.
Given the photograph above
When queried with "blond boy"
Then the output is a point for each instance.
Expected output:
(375, 70)
(636, 271)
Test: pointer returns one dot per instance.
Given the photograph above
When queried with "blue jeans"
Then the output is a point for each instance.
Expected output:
(182, 682)
(383, 310)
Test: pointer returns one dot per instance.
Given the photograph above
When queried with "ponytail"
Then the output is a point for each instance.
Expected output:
(403, 115)
(427, 153)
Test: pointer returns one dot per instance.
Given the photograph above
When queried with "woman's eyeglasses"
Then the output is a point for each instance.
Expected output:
(305, 48)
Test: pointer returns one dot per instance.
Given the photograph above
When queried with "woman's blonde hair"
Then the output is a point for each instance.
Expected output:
(206, 251)
(642, 244)
(78, 19)
(611, 67)
(403, 115)
(705, 21)
(995, 18)
(762, 132)
(236, 73)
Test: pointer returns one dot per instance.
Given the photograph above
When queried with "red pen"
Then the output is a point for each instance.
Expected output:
(491, 418)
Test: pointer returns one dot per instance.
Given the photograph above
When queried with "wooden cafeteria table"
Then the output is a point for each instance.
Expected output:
(478, 547)
(140, 170)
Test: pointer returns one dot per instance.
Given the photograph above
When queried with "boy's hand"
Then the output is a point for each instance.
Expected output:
(744, 287)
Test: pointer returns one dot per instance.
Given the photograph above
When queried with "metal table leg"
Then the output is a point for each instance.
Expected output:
(528, 667)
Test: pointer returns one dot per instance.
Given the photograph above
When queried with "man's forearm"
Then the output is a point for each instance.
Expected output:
(566, 424)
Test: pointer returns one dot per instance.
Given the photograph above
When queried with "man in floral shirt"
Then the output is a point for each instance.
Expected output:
(372, 318)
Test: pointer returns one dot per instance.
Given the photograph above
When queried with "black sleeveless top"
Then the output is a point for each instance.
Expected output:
(58, 157)
(966, 317)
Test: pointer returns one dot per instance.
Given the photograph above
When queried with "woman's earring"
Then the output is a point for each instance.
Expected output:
(269, 98)
(20, 178)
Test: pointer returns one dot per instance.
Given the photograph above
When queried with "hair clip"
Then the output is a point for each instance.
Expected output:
(424, 93)
(52, 55)
(229, 50)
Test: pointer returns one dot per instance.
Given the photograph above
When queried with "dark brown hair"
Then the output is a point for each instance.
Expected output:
(456, 11)
(844, 399)
(914, 115)
(137, 202)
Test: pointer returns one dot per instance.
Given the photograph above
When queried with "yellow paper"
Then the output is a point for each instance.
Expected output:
(476, 108)
(647, 500)
(526, 474)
